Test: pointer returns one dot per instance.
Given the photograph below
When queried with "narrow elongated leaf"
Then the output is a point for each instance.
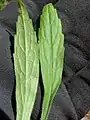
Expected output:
(51, 43)
(26, 64)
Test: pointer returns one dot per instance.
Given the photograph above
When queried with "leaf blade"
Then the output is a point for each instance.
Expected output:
(51, 41)
(26, 63)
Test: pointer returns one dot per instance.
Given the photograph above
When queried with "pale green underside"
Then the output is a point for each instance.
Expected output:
(26, 64)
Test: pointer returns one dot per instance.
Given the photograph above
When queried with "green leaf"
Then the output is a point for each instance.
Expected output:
(3, 3)
(51, 44)
(26, 63)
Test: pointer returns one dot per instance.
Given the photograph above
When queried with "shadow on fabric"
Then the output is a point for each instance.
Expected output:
(3, 115)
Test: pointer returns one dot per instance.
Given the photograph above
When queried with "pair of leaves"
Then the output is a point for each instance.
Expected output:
(26, 60)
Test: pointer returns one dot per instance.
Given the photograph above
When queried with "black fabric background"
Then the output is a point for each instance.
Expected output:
(72, 100)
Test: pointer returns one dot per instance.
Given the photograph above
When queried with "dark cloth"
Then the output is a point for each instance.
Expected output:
(72, 100)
